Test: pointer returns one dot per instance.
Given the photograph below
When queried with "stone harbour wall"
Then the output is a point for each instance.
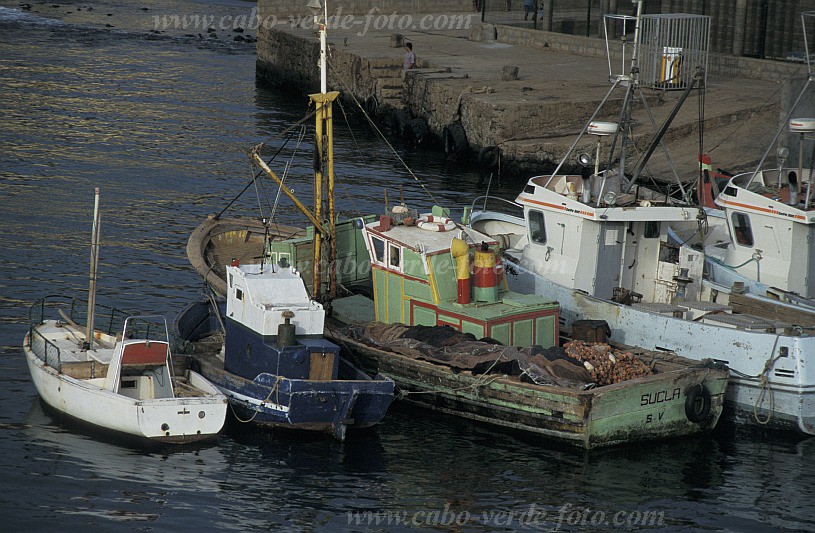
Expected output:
(461, 100)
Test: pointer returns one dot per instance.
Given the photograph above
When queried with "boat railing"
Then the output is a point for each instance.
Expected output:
(495, 203)
(45, 350)
(107, 320)
(147, 327)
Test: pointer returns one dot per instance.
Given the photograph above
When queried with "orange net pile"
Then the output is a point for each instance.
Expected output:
(606, 364)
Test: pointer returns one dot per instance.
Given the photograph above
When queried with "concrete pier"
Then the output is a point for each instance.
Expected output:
(460, 89)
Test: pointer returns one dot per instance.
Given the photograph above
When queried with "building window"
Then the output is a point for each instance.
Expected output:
(379, 250)
(395, 256)
(742, 229)
(537, 229)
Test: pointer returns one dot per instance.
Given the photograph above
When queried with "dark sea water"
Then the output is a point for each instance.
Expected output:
(161, 123)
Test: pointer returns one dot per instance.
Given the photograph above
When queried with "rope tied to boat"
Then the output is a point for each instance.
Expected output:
(756, 257)
(764, 389)
(274, 389)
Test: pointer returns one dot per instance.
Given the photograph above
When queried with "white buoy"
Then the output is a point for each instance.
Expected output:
(802, 125)
(602, 129)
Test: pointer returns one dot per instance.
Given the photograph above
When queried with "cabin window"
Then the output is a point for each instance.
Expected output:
(537, 229)
(283, 260)
(395, 257)
(239, 294)
(529, 189)
(651, 230)
(731, 191)
(230, 280)
(379, 250)
(742, 229)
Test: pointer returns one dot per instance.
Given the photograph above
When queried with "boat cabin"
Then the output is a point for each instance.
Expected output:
(616, 247)
(434, 272)
(140, 364)
(274, 327)
(768, 230)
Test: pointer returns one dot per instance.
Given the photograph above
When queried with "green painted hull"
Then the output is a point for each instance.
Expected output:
(647, 408)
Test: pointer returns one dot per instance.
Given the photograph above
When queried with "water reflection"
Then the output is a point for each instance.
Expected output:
(163, 127)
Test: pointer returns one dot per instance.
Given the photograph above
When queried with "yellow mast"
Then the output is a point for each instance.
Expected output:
(324, 170)
(324, 176)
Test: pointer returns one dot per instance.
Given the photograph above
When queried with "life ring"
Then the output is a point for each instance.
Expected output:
(433, 223)
(697, 403)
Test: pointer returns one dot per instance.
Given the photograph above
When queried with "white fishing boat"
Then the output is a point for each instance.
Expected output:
(125, 383)
(600, 245)
(115, 372)
(763, 226)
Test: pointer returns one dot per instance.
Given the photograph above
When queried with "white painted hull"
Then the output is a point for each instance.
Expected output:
(788, 400)
(186, 419)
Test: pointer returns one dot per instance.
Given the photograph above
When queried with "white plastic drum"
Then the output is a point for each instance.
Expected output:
(802, 125)
(602, 128)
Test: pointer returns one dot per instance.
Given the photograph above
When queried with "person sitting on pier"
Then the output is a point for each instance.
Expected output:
(410, 57)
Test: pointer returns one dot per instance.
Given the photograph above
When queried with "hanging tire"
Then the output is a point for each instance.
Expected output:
(455, 140)
(488, 157)
(419, 130)
(697, 403)
(371, 106)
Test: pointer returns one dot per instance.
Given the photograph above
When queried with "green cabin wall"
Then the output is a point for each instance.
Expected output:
(353, 262)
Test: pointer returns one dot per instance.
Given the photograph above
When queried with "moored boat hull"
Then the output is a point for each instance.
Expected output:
(324, 406)
(171, 420)
(683, 399)
(353, 400)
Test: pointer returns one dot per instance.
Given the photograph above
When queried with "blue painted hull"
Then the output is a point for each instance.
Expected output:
(354, 399)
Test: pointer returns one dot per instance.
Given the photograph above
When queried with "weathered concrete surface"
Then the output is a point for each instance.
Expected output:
(534, 119)
(286, 8)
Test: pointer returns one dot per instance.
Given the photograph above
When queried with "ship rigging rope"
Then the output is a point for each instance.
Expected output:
(382, 135)
(701, 103)
(286, 173)
(756, 258)
(764, 389)
(746, 121)
(261, 145)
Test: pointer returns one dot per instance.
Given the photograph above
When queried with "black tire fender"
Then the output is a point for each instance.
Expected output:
(455, 139)
(697, 403)
(371, 106)
(488, 157)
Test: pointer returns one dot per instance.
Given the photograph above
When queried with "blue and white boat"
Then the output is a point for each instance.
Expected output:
(273, 363)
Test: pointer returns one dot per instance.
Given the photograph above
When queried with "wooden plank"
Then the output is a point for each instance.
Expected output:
(321, 366)
(85, 369)
(744, 303)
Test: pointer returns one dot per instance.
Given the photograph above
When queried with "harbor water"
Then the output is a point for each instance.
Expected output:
(161, 122)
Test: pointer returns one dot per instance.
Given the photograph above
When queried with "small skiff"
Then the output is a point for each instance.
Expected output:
(126, 383)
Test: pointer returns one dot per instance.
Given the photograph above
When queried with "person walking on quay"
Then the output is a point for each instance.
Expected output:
(410, 57)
